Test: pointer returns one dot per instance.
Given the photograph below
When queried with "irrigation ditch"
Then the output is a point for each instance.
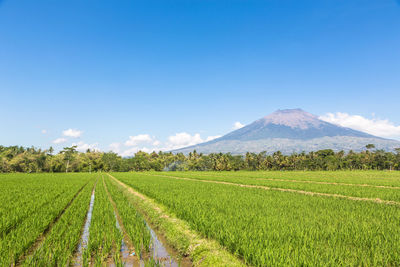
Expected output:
(160, 253)
(79, 258)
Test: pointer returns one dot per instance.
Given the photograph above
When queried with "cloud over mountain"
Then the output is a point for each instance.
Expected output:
(294, 130)
(378, 127)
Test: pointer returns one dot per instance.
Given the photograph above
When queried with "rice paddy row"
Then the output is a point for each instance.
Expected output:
(269, 228)
(43, 217)
(44, 224)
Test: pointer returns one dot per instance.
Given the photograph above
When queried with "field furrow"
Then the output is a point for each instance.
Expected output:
(104, 238)
(125, 256)
(134, 223)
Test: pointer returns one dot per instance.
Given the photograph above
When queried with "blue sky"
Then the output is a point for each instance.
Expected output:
(109, 70)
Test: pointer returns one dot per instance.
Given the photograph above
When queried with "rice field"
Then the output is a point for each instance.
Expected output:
(261, 218)
(272, 226)
(69, 220)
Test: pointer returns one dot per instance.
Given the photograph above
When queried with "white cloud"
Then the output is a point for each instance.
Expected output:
(209, 138)
(184, 139)
(156, 143)
(378, 127)
(115, 147)
(145, 143)
(59, 141)
(237, 125)
(131, 152)
(138, 139)
(44, 131)
(82, 147)
(72, 133)
(141, 142)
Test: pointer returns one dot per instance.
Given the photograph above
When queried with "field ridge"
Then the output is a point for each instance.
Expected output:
(310, 182)
(376, 200)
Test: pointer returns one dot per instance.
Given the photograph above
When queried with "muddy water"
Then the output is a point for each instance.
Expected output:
(163, 254)
(85, 235)
(158, 252)
(128, 258)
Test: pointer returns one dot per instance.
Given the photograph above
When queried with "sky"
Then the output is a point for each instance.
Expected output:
(129, 75)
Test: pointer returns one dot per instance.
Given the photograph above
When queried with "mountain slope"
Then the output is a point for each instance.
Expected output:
(291, 124)
(291, 130)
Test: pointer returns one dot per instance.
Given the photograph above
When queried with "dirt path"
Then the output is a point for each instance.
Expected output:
(309, 182)
(130, 190)
(376, 200)
(328, 183)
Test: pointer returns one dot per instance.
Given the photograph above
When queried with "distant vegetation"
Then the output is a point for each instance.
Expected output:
(20, 159)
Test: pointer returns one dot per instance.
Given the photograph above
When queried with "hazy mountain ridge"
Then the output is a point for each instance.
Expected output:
(288, 131)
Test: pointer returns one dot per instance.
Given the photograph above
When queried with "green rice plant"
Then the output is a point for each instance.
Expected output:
(59, 245)
(25, 226)
(273, 228)
(23, 194)
(133, 222)
(388, 193)
(104, 237)
(377, 178)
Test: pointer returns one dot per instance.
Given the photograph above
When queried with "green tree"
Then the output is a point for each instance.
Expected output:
(370, 146)
(69, 154)
(111, 161)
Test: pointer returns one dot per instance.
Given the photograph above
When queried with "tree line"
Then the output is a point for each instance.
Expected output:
(21, 159)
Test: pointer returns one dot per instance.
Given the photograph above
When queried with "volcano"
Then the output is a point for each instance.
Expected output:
(289, 131)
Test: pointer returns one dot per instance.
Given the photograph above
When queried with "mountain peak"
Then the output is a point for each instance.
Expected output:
(294, 118)
(290, 110)
(290, 124)
(291, 130)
